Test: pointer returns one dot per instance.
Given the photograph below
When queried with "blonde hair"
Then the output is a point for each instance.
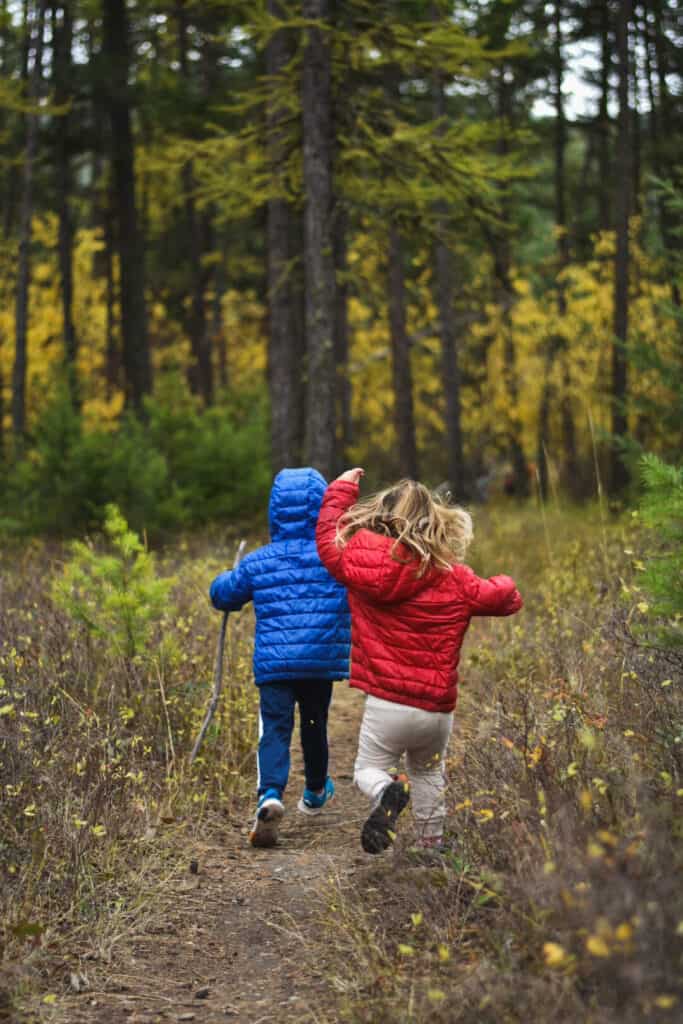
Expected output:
(435, 533)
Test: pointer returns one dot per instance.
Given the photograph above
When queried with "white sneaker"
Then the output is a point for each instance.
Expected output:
(269, 814)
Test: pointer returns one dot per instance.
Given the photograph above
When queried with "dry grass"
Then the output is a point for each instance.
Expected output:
(561, 898)
(93, 762)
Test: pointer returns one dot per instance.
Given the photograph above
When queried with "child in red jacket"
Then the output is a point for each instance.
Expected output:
(399, 553)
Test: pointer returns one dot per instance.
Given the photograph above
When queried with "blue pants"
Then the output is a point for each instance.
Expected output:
(277, 725)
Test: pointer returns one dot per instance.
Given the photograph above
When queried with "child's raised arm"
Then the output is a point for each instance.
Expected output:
(340, 495)
(365, 563)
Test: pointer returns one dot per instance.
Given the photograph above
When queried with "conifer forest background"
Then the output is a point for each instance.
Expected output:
(438, 239)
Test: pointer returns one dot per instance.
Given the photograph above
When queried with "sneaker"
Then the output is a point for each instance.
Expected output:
(378, 832)
(269, 814)
(312, 802)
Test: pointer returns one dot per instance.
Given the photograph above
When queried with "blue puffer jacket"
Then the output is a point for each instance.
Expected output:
(302, 615)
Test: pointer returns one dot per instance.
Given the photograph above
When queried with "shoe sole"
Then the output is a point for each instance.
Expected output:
(377, 833)
(268, 820)
(312, 811)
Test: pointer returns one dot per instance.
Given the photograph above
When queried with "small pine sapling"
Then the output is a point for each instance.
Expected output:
(116, 595)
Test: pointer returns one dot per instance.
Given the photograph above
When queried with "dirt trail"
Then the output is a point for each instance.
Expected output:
(224, 944)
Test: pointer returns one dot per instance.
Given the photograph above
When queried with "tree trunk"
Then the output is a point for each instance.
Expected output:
(112, 349)
(619, 474)
(284, 373)
(445, 293)
(318, 247)
(341, 336)
(26, 217)
(199, 233)
(136, 356)
(636, 145)
(604, 163)
(558, 344)
(658, 125)
(450, 369)
(218, 339)
(62, 42)
(14, 171)
(502, 265)
(400, 360)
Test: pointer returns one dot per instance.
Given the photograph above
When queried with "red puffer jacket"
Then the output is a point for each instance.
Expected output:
(406, 631)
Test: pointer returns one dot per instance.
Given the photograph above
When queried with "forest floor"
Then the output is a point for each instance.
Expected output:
(233, 940)
(132, 895)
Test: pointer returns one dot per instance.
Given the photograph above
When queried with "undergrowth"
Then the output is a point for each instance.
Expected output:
(560, 897)
(106, 667)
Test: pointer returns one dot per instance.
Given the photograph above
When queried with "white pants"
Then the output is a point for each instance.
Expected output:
(389, 730)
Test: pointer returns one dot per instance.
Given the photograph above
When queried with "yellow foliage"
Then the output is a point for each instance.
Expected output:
(554, 954)
(243, 319)
(597, 946)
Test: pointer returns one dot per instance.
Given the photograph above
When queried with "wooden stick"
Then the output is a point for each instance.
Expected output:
(218, 669)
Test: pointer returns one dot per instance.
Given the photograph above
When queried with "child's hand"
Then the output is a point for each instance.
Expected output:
(352, 476)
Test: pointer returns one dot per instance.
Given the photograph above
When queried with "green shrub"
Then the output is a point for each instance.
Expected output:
(218, 457)
(183, 466)
(117, 596)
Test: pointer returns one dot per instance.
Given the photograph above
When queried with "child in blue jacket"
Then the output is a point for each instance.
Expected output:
(302, 644)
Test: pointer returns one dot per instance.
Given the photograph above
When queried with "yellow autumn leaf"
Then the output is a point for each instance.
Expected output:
(597, 946)
(666, 1002)
(554, 954)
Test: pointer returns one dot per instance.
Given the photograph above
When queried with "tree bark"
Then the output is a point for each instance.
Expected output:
(445, 292)
(318, 246)
(404, 419)
(557, 344)
(199, 234)
(62, 42)
(284, 371)
(604, 163)
(14, 171)
(341, 336)
(659, 124)
(618, 471)
(129, 239)
(218, 339)
(502, 268)
(112, 369)
(636, 143)
(26, 216)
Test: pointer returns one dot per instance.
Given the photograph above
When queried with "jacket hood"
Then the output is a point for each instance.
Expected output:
(295, 501)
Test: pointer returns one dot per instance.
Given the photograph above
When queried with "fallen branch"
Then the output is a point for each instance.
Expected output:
(218, 669)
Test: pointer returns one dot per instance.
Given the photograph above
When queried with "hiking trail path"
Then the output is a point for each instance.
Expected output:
(225, 944)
